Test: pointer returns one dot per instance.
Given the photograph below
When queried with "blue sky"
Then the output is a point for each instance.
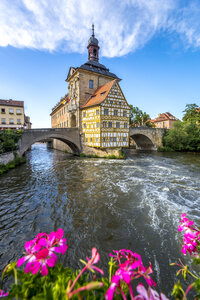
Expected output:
(153, 45)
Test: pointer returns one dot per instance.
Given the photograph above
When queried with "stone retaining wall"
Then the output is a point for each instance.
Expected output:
(5, 158)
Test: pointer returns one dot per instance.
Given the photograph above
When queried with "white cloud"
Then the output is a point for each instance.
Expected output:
(122, 26)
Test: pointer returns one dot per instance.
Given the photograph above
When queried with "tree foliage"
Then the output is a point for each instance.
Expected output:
(185, 135)
(139, 118)
(9, 139)
(192, 113)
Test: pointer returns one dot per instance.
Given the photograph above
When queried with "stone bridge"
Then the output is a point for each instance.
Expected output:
(147, 138)
(71, 136)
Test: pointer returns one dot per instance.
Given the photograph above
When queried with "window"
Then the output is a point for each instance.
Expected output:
(11, 111)
(111, 102)
(115, 112)
(104, 124)
(18, 111)
(11, 121)
(84, 125)
(114, 139)
(111, 139)
(102, 93)
(3, 121)
(124, 139)
(86, 140)
(97, 112)
(97, 124)
(3, 111)
(120, 103)
(95, 52)
(109, 124)
(124, 113)
(105, 111)
(75, 84)
(91, 140)
(18, 121)
(84, 114)
(97, 140)
(125, 125)
(91, 84)
(104, 139)
(118, 125)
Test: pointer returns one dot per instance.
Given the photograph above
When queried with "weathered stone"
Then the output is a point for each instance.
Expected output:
(147, 138)
(5, 158)
(70, 136)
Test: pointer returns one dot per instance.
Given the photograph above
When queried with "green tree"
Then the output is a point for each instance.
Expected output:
(139, 118)
(184, 136)
(192, 113)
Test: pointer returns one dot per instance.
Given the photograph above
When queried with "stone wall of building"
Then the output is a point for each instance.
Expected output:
(5, 158)
(59, 145)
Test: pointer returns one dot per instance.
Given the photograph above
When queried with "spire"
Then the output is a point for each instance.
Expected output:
(93, 47)
(92, 30)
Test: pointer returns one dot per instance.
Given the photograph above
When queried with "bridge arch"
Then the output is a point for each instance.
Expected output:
(147, 138)
(143, 142)
(70, 136)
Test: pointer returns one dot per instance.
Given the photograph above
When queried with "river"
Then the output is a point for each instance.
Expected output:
(110, 204)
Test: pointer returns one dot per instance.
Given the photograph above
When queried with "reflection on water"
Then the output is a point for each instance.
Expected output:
(110, 204)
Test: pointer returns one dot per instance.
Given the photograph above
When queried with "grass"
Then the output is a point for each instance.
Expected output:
(11, 165)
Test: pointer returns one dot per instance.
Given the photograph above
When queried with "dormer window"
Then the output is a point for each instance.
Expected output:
(91, 84)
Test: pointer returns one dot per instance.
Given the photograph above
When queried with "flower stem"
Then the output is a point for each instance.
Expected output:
(16, 282)
(131, 291)
(123, 295)
(76, 279)
(190, 273)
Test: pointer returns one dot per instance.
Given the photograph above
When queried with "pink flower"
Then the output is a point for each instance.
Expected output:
(2, 294)
(94, 260)
(40, 252)
(131, 268)
(191, 236)
(151, 294)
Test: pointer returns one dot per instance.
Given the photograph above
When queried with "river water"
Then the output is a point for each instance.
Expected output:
(110, 204)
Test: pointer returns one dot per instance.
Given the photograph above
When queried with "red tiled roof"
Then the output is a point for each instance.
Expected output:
(99, 95)
(11, 102)
(164, 117)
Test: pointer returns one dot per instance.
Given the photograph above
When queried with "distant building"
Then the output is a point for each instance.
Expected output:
(60, 117)
(95, 103)
(12, 115)
(164, 120)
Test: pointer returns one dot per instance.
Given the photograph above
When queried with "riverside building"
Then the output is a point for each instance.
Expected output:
(12, 115)
(164, 120)
(95, 103)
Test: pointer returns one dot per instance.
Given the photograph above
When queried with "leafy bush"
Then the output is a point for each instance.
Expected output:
(184, 136)
(11, 165)
(9, 139)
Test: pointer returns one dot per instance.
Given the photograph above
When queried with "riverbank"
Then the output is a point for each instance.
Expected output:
(12, 164)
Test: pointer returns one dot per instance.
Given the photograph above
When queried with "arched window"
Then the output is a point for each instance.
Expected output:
(95, 52)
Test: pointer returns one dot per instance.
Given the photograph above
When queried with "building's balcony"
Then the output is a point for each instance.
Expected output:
(71, 107)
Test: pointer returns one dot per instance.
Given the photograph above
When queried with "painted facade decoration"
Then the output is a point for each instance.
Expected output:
(105, 118)
(84, 83)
